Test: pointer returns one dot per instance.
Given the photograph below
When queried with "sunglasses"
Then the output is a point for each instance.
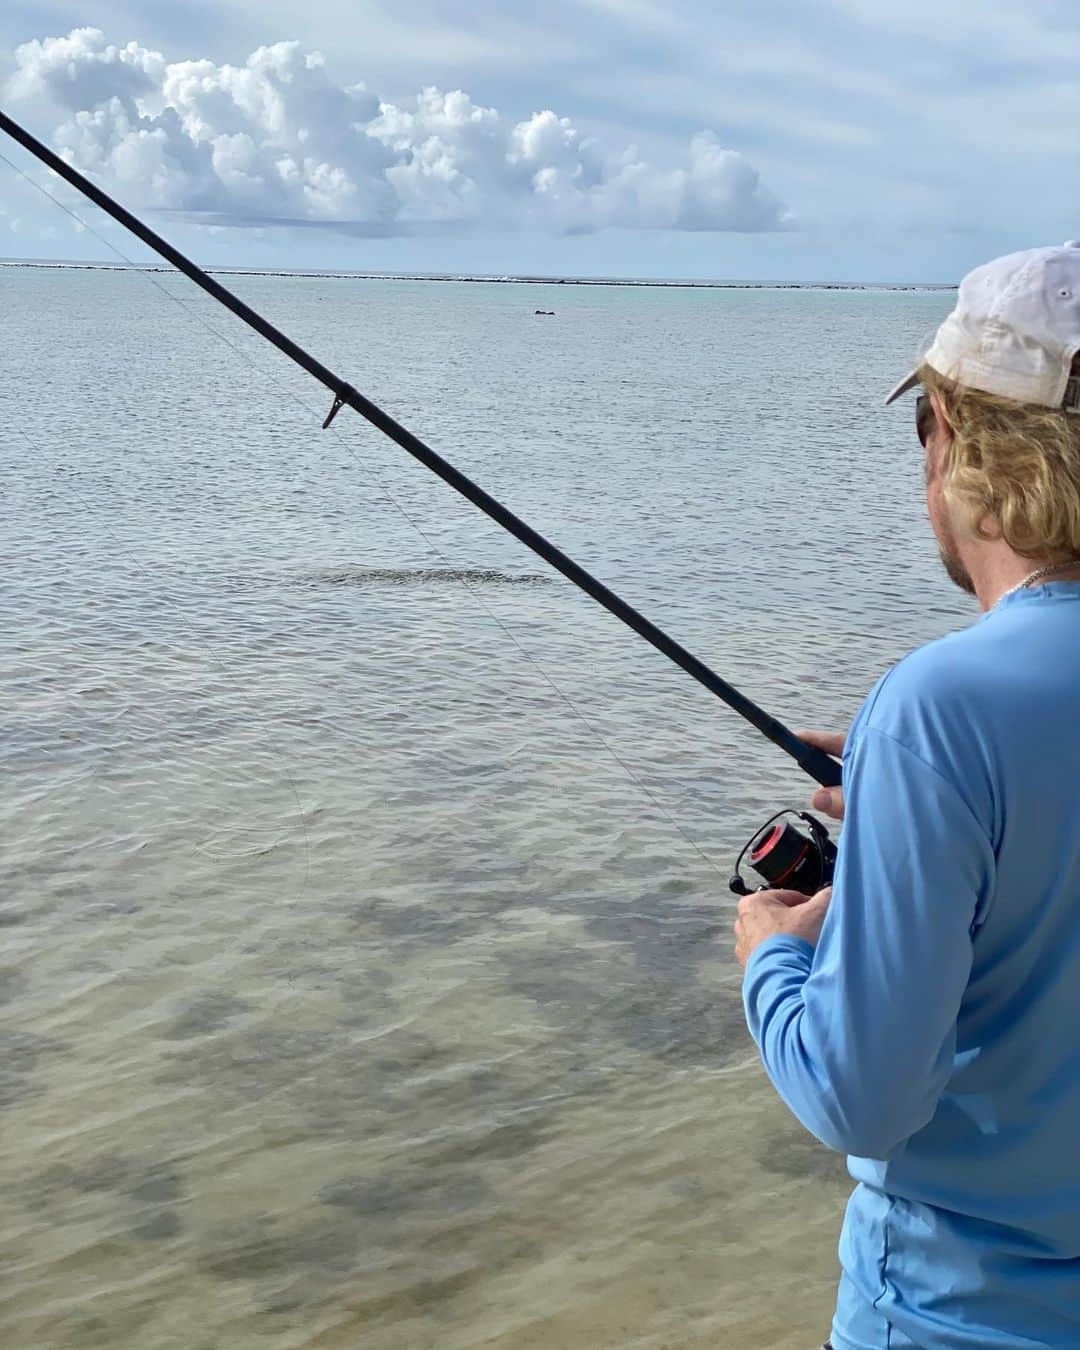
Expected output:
(924, 418)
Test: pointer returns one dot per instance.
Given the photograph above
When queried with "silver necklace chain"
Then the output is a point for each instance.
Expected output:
(1041, 572)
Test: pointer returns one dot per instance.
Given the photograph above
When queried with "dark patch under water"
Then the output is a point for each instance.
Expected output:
(347, 575)
(649, 984)
(141, 1194)
(671, 944)
(661, 938)
(411, 926)
(204, 1012)
(106, 1173)
(156, 1225)
(599, 998)
(418, 576)
(19, 1058)
(20, 1055)
(12, 984)
(260, 1245)
(792, 1152)
(402, 1192)
(511, 1139)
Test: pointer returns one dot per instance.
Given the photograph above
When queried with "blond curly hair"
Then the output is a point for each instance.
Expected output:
(1011, 468)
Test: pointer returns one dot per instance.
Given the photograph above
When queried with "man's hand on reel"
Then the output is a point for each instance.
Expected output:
(763, 914)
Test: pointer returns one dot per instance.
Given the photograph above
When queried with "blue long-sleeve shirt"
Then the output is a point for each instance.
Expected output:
(933, 1034)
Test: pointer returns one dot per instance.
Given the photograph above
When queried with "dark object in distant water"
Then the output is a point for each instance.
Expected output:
(550, 312)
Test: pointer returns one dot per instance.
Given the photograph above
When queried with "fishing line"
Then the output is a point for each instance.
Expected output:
(387, 497)
(542, 1042)
(817, 765)
(273, 745)
(813, 761)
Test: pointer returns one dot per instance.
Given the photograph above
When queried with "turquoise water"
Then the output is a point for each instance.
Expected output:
(367, 954)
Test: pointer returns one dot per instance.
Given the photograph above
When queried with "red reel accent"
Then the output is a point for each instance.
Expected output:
(781, 879)
(763, 850)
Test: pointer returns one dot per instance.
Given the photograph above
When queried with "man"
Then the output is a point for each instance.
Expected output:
(923, 1016)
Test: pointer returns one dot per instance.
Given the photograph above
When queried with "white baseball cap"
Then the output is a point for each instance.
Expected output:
(1015, 330)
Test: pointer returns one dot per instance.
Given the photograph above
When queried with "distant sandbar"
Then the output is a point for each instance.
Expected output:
(495, 280)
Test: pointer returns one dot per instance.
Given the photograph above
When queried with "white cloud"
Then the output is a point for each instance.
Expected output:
(277, 139)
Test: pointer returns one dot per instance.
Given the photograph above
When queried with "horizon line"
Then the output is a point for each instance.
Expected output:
(521, 279)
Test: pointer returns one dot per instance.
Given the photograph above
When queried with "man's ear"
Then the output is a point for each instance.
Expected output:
(942, 420)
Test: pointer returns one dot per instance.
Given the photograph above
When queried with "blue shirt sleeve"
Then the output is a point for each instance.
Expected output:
(858, 1034)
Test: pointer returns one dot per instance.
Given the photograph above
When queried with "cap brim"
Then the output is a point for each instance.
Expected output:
(908, 382)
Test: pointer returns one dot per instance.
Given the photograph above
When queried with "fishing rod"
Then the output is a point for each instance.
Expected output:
(816, 763)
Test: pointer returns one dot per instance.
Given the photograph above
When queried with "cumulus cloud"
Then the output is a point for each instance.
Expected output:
(278, 140)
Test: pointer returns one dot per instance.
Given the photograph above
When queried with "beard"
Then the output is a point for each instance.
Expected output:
(941, 524)
(957, 572)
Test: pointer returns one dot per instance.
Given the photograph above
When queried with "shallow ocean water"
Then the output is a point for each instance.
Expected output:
(365, 956)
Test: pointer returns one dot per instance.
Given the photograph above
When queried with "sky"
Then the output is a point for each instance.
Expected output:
(795, 140)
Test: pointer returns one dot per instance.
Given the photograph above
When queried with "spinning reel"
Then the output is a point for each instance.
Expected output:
(787, 857)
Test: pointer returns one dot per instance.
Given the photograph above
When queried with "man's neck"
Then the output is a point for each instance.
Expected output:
(995, 569)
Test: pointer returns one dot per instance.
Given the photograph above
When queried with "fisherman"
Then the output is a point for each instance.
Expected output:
(923, 1014)
(928, 1021)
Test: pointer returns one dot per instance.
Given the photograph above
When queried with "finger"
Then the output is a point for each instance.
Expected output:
(821, 900)
(789, 898)
(756, 899)
(832, 742)
(829, 801)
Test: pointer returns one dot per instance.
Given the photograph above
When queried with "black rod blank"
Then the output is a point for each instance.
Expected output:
(813, 761)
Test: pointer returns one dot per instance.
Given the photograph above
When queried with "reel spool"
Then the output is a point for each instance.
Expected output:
(788, 858)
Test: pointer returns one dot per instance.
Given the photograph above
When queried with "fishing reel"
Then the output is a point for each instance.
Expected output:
(788, 858)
